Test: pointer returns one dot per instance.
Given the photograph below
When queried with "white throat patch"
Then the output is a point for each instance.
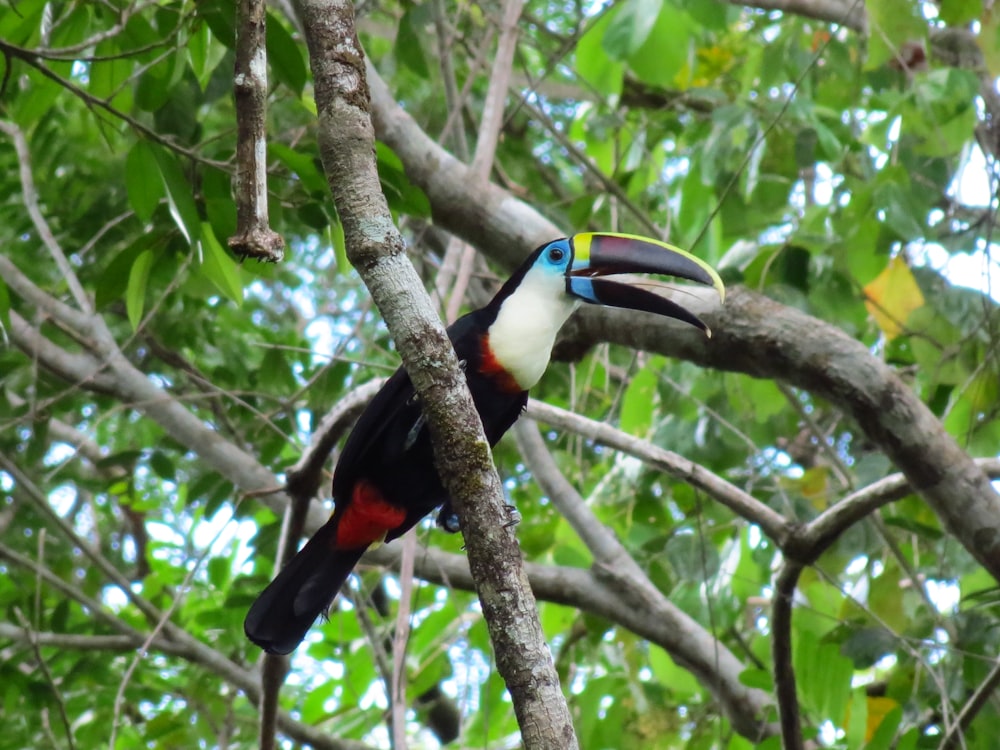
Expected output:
(522, 336)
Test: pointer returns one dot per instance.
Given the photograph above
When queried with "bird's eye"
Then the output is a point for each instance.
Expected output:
(556, 254)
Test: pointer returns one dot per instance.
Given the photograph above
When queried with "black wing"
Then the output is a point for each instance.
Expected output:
(394, 409)
(391, 425)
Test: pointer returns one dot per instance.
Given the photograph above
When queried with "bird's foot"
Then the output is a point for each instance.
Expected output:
(448, 520)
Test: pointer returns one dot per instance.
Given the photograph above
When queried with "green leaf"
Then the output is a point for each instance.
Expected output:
(218, 572)
(408, 48)
(113, 280)
(179, 195)
(36, 98)
(934, 343)
(894, 23)
(959, 12)
(757, 678)
(142, 181)
(159, 82)
(218, 267)
(857, 719)
(335, 236)
(109, 78)
(949, 137)
(866, 646)
(631, 27)
(665, 54)
(216, 191)
(303, 165)
(402, 195)
(885, 734)
(314, 705)
(160, 463)
(274, 372)
(135, 293)
(285, 56)
(639, 401)
(824, 676)
(22, 27)
(896, 197)
(594, 65)
(38, 444)
(221, 19)
(205, 53)
(761, 399)
(909, 740)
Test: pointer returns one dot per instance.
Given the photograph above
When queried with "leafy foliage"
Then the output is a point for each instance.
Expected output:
(828, 173)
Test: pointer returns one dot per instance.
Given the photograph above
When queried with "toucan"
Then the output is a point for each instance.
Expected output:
(385, 480)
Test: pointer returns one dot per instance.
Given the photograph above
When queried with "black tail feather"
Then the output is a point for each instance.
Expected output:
(281, 616)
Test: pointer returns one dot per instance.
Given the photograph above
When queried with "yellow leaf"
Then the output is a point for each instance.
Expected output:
(892, 296)
(878, 708)
(815, 488)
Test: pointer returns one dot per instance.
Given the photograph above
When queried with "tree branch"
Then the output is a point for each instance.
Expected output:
(254, 236)
(763, 338)
(850, 13)
(709, 661)
(461, 452)
(772, 523)
(754, 335)
(194, 652)
(460, 257)
(781, 651)
(29, 194)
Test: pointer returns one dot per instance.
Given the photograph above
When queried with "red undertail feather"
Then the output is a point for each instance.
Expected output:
(367, 518)
(304, 589)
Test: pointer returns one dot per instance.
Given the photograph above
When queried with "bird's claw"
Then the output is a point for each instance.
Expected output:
(448, 519)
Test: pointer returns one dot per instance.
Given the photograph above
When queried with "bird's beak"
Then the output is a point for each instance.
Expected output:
(601, 254)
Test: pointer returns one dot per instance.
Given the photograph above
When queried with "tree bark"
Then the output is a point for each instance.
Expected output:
(463, 457)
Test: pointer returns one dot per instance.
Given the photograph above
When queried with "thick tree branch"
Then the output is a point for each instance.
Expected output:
(72, 319)
(709, 661)
(753, 335)
(763, 338)
(306, 476)
(461, 451)
(80, 370)
(254, 236)
(850, 13)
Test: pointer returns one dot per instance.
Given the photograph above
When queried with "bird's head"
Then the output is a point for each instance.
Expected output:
(576, 264)
(532, 306)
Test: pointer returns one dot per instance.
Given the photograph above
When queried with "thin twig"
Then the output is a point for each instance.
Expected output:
(487, 140)
(49, 678)
(29, 194)
(781, 652)
(400, 639)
